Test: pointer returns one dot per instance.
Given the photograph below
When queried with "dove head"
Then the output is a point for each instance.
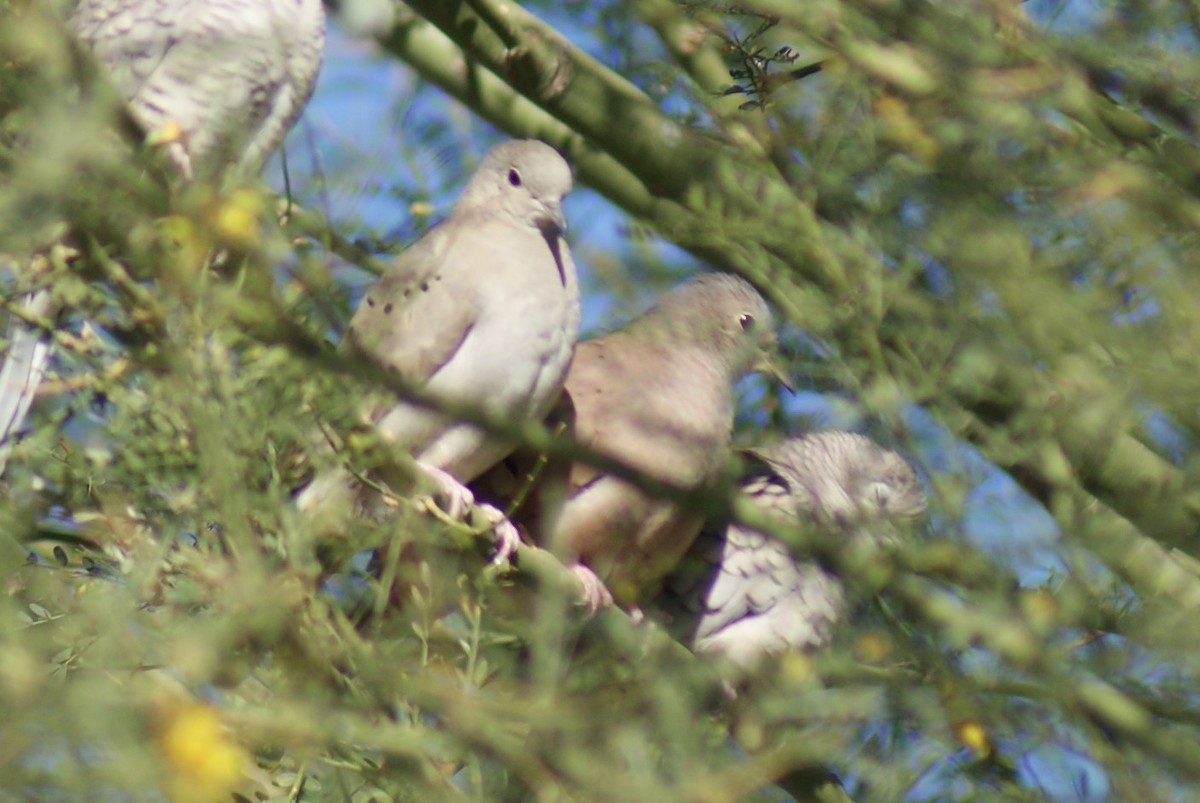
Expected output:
(846, 477)
(888, 484)
(524, 178)
(725, 314)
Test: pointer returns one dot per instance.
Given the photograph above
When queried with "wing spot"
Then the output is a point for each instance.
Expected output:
(387, 308)
(424, 287)
(370, 301)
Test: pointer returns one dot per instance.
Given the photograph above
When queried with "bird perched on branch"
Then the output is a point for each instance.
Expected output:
(657, 395)
(483, 311)
(741, 594)
(219, 82)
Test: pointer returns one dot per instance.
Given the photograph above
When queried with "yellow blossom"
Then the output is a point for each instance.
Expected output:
(202, 762)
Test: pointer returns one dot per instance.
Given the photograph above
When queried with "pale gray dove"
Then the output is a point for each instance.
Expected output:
(656, 394)
(483, 310)
(222, 81)
(218, 81)
(741, 594)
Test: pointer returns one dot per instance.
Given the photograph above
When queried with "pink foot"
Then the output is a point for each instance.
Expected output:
(459, 501)
(595, 594)
(458, 497)
(507, 537)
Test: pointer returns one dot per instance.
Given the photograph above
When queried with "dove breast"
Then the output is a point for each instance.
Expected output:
(483, 311)
(656, 394)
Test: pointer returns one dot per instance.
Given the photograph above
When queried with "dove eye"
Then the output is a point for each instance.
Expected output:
(746, 321)
(514, 178)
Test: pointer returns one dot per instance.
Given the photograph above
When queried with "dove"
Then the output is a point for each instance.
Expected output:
(483, 310)
(220, 82)
(741, 594)
(656, 395)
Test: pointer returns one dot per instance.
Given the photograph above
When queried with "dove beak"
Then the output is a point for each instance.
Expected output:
(766, 366)
(552, 220)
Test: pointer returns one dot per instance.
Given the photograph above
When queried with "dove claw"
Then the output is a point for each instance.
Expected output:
(459, 502)
(507, 537)
(595, 595)
(458, 497)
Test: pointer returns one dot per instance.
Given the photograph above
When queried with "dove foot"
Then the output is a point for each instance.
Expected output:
(458, 497)
(459, 501)
(595, 594)
(507, 537)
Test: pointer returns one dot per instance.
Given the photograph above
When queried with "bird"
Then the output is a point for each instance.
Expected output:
(740, 594)
(218, 82)
(482, 310)
(657, 395)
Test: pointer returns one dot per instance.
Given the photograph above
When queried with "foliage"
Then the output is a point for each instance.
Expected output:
(965, 216)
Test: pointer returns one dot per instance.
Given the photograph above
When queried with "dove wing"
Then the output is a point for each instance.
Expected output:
(416, 317)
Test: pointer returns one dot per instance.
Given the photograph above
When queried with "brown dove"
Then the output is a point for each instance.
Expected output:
(657, 395)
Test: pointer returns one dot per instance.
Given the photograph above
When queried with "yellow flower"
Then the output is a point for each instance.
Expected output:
(974, 736)
(203, 763)
(237, 217)
(167, 133)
